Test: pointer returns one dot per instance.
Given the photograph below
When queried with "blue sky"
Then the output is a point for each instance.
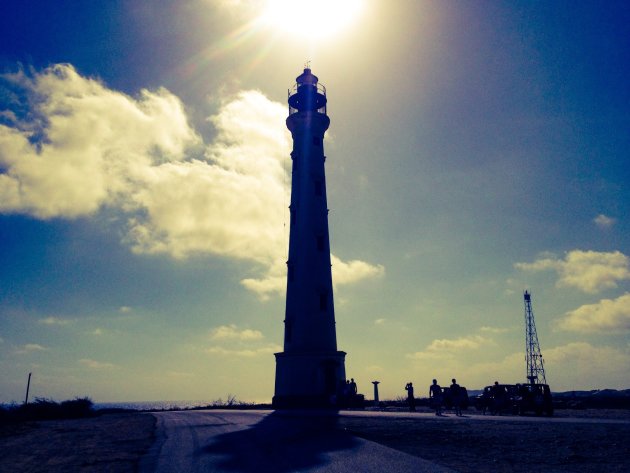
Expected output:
(476, 149)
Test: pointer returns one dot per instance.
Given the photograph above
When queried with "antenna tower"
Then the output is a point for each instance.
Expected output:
(533, 358)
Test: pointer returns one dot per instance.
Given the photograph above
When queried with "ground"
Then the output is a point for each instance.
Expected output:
(108, 443)
(469, 445)
(115, 443)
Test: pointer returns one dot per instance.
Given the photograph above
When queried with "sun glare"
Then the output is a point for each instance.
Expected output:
(315, 19)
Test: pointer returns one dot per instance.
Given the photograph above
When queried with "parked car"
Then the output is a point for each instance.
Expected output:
(515, 399)
(535, 398)
(498, 399)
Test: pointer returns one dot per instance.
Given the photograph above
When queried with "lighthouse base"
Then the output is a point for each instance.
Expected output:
(309, 380)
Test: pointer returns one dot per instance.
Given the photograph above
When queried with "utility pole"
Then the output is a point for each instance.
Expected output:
(533, 357)
(28, 387)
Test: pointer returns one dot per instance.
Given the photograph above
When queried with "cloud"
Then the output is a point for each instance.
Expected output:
(97, 332)
(594, 367)
(447, 348)
(608, 316)
(124, 309)
(380, 321)
(509, 369)
(603, 221)
(80, 147)
(231, 332)
(229, 203)
(354, 271)
(245, 353)
(494, 329)
(275, 282)
(96, 365)
(240, 342)
(54, 321)
(588, 271)
(30, 348)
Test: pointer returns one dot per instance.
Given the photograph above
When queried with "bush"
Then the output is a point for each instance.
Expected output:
(47, 409)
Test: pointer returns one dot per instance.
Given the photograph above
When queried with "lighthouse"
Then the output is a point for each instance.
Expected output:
(310, 370)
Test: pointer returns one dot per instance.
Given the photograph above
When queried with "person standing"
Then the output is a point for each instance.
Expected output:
(410, 398)
(455, 392)
(435, 395)
(353, 387)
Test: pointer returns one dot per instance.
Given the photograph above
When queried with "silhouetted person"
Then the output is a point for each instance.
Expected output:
(498, 398)
(353, 387)
(410, 398)
(456, 395)
(435, 395)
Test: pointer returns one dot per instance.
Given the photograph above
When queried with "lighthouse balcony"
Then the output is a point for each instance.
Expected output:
(307, 98)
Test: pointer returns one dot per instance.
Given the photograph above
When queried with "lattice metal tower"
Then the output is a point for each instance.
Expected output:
(533, 357)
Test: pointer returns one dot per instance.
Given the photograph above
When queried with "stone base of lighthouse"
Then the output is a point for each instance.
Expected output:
(309, 380)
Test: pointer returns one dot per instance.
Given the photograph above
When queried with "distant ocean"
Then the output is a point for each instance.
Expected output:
(152, 405)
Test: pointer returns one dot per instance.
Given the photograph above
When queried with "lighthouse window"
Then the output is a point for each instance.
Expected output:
(317, 141)
(323, 301)
(318, 188)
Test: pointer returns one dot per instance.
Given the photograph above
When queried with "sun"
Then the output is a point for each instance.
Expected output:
(318, 19)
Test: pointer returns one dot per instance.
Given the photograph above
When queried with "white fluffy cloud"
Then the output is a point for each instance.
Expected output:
(80, 147)
(447, 348)
(246, 352)
(245, 343)
(231, 203)
(589, 271)
(608, 315)
(274, 280)
(231, 332)
(584, 366)
(353, 271)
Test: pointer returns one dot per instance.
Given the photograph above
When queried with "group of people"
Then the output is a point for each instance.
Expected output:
(436, 397)
(346, 394)
(349, 388)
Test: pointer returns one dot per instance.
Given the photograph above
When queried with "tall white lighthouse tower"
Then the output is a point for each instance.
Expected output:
(310, 370)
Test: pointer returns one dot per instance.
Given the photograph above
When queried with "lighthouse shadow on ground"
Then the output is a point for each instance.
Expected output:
(281, 442)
